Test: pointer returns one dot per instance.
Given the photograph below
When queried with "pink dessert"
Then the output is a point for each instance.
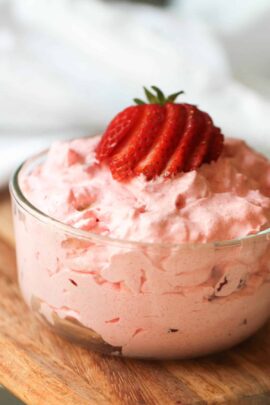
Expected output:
(139, 267)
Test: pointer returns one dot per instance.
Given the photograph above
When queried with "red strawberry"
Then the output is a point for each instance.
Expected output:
(159, 138)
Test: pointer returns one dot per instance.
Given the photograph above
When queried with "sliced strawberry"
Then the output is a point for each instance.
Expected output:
(138, 142)
(160, 138)
(117, 130)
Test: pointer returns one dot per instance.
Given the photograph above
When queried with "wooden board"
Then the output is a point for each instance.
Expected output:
(41, 368)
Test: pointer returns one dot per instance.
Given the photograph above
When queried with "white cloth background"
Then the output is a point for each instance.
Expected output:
(66, 67)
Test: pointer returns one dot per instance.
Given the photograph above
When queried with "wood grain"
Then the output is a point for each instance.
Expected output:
(41, 368)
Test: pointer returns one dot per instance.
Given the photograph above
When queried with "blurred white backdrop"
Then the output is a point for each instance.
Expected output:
(66, 67)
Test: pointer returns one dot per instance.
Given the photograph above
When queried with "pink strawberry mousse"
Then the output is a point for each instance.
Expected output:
(162, 297)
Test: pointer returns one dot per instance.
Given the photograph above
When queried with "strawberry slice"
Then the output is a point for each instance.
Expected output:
(187, 141)
(201, 149)
(117, 130)
(216, 146)
(159, 138)
(154, 163)
(138, 142)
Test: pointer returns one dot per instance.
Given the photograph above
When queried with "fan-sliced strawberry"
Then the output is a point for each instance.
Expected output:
(160, 138)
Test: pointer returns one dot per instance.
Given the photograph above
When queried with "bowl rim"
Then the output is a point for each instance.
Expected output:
(19, 197)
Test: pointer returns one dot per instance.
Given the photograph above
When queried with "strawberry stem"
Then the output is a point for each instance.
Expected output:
(157, 98)
(138, 101)
(160, 95)
(174, 96)
(150, 96)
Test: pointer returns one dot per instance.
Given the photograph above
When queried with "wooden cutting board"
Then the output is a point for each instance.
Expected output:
(41, 368)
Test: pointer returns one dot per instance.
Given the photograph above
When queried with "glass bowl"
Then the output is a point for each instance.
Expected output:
(135, 299)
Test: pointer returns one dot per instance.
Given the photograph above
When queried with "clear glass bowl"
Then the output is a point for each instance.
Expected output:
(139, 299)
